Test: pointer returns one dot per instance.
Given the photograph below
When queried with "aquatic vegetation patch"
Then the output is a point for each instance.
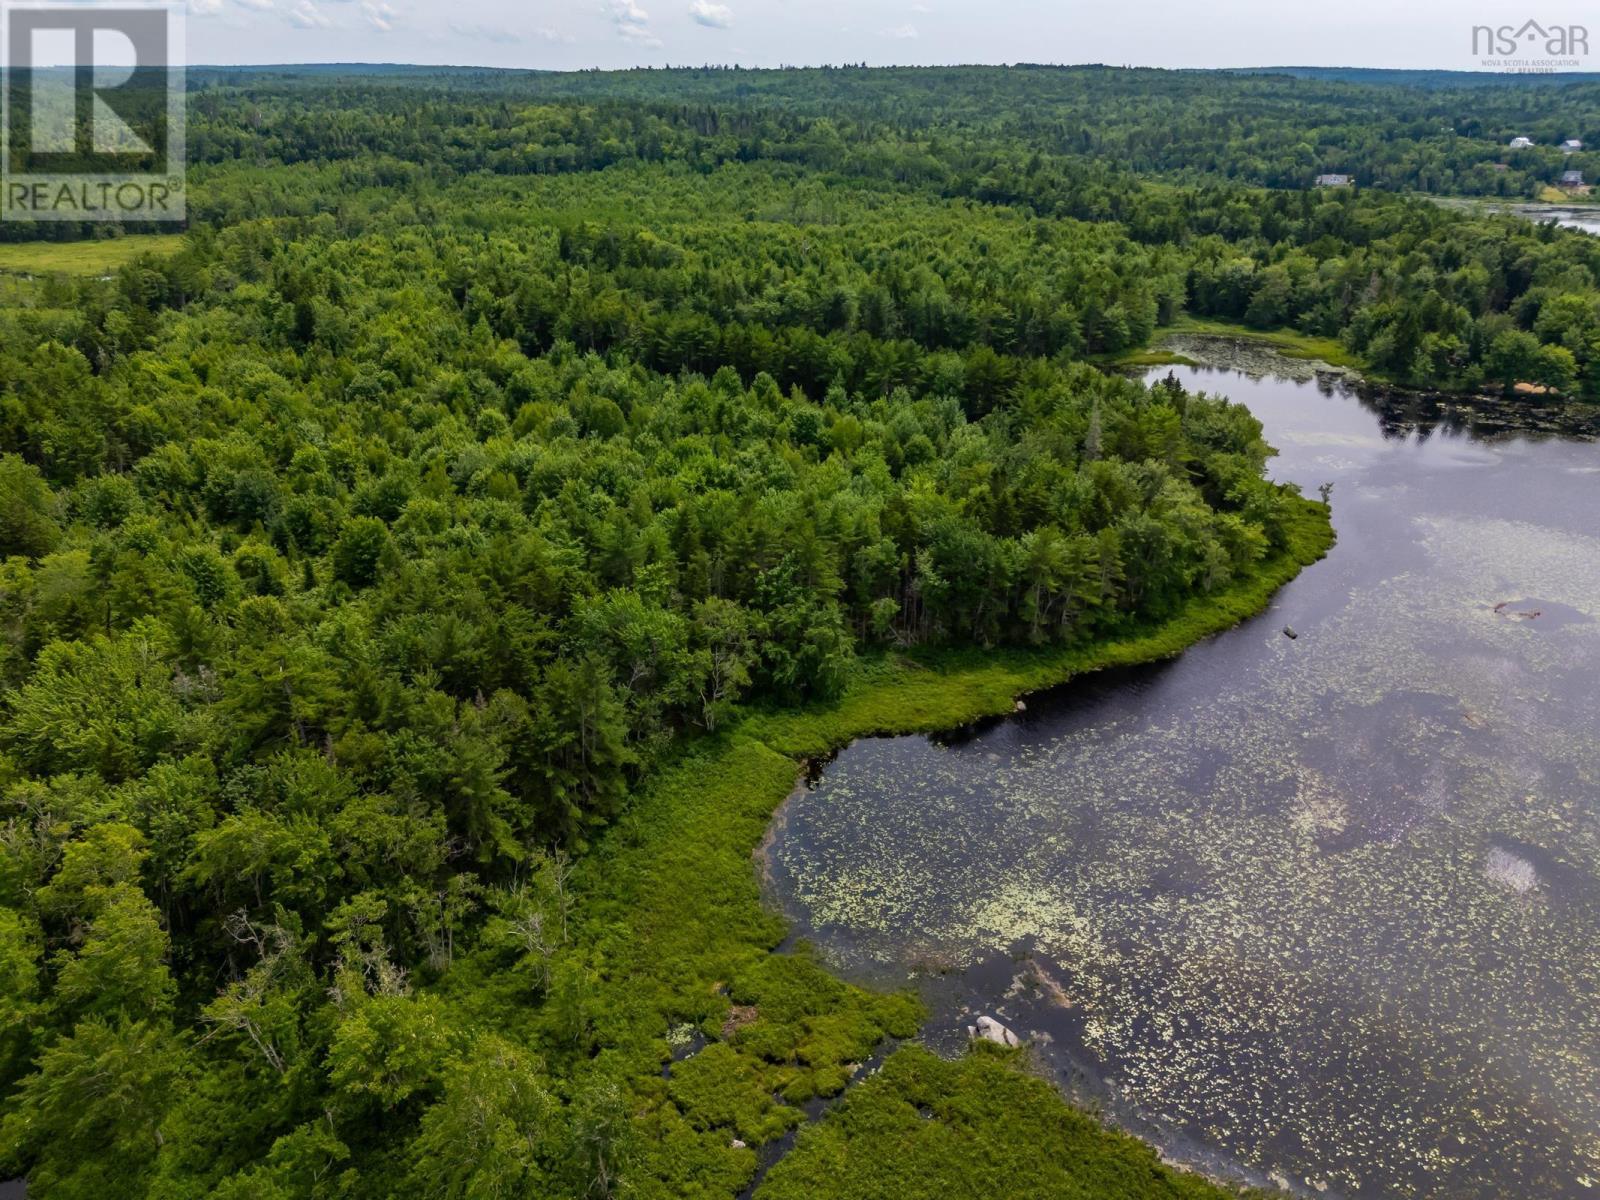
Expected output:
(1280, 354)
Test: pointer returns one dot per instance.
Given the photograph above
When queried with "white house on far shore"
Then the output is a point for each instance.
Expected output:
(1521, 143)
(1571, 146)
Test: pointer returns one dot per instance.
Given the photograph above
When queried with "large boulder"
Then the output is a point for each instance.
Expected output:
(991, 1030)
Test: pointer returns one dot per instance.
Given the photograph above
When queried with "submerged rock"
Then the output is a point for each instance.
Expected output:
(1511, 871)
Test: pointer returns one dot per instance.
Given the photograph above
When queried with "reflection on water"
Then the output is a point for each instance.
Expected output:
(1574, 216)
(1586, 219)
(1323, 912)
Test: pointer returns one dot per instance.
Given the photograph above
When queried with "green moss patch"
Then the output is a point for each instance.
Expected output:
(924, 1127)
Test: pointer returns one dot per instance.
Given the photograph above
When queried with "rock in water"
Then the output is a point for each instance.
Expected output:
(991, 1030)
(1289, 633)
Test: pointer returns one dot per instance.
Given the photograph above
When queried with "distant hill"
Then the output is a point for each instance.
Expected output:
(1371, 76)
(1439, 132)
(1435, 80)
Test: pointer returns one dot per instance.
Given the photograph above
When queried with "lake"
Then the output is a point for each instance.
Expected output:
(1321, 913)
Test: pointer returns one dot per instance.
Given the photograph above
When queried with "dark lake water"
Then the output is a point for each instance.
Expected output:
(1321, 912)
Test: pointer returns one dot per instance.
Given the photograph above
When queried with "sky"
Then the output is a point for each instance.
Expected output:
(575, 34)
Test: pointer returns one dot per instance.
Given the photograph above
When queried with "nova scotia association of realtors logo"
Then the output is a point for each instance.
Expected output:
(1530, 47)
(91, 110)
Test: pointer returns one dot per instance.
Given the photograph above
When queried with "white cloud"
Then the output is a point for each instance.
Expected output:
(711, 15)
(503, 35)
(904, 33)
(205, 8)
(379, 15)
(633, 23)
(306, 15)
(486, 33)
(257, 5)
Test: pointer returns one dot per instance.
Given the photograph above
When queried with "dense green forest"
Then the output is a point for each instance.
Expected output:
(1440, 133)
(419, 585)
(1153, 160)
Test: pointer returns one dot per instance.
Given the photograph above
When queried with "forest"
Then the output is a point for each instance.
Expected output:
(1441, 132)
(421, 581)
(1215, 222)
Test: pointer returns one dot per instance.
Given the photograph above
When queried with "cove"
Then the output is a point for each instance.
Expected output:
(1323, 912)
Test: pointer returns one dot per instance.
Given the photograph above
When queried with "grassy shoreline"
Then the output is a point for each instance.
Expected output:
(1287, 342)
(674, 935)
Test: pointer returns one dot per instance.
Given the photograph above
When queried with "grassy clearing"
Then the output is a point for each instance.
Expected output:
(99, 257)
(676, 935)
